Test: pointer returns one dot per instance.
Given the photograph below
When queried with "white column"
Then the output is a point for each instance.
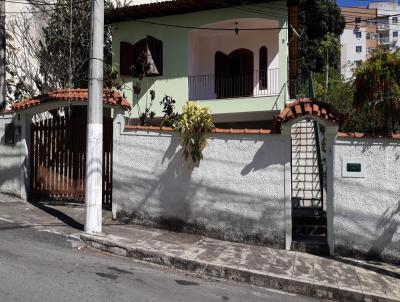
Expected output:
(330, 137)
(94, 148)
(286, 137)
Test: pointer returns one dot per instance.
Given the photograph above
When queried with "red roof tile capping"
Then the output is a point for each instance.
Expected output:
(303, 107)
(367, 135)
(215, 130)
(167, 8)
(110, 97)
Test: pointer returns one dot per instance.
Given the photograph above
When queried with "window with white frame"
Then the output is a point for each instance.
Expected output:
(358, 49)
(358, 34)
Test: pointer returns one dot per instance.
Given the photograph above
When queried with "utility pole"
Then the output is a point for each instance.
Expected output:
(2, 54)
(94, 146)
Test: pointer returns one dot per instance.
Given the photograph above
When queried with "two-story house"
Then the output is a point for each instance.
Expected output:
(231, 56)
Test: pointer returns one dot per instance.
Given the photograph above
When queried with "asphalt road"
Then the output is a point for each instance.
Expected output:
(42, 266)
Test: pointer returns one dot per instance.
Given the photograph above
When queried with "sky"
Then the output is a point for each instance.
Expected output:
(362, 3)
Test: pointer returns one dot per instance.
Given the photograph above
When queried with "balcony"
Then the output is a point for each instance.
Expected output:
(385, 40)
(256, 84)
(383, 26)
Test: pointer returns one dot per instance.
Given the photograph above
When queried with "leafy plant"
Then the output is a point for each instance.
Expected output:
(316, 19)
(194, 125)
(44, 52)
(170, 116)
(330, 44)
(377, 86)
(340, 95)
(140, 71)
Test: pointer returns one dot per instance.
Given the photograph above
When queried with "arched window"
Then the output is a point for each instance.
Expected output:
(234, 73)
(263, 66)
(144, 54)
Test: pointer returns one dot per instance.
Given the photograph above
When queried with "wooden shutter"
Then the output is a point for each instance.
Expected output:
(221, 73)
(126, 59)
(139, 50)
(156, 50)
(263, 65)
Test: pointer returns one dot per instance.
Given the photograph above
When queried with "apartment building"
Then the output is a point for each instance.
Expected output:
(359, 38)
(366, 28)
(388, 22)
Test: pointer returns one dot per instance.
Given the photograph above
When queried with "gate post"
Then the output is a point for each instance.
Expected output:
(24, 121)
(330, 137)
(286, 136)
(118, 127)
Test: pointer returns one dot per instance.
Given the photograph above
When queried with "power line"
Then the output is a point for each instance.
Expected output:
(209, 28)
(371, 19)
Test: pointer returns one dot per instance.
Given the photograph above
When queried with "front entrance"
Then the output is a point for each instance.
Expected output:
(309, 221)
(234, 74)
(58, 157)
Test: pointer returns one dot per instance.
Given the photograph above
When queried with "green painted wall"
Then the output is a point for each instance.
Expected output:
(174, 81)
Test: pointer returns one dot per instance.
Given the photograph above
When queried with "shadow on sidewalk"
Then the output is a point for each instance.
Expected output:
(370, 266)
(59, 215)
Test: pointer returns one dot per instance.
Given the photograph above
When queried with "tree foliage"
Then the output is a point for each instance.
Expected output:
(316, 19)
(329, 45)
(45, 52)
(377, 86)
(340, 95)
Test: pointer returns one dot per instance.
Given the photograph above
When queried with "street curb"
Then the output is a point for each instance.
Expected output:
(321, 291)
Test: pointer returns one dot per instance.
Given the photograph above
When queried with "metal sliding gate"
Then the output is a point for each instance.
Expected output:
(58, 158)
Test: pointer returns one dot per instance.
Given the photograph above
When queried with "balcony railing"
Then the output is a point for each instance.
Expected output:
(257, 83)
(383, 26)
(385, 40)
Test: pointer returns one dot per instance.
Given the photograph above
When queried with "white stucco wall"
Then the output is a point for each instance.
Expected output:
(367, 210)
(10, 161)
(237, 192)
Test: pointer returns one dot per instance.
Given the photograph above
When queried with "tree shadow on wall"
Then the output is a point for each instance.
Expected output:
(389, 222)
(267, 155)
(175, 189)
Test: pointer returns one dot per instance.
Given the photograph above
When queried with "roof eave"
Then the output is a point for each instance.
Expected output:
(169, 8)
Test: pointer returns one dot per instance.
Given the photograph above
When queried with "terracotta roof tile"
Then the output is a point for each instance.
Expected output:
(367, 135)
(303, 107)
(110, 97)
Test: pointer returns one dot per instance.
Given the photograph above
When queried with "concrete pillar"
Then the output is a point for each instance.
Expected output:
(330, 137)
(283, 64)
(286, 137)
(23, 123)
(118, 127)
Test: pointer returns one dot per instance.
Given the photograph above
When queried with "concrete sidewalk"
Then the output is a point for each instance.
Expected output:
(336, 279)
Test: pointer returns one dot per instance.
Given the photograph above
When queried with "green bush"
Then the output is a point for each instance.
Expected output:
(194, 125)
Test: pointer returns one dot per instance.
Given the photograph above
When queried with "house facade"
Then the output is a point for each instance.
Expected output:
(232, 59)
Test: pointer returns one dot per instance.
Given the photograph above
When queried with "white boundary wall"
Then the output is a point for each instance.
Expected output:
(367, 209)
(238, 192)
(10, 161)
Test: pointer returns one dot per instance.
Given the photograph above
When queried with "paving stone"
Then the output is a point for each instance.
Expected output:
(325, 272)
(283, 264)
(371, 282)
(303, 267)
(347, 277)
